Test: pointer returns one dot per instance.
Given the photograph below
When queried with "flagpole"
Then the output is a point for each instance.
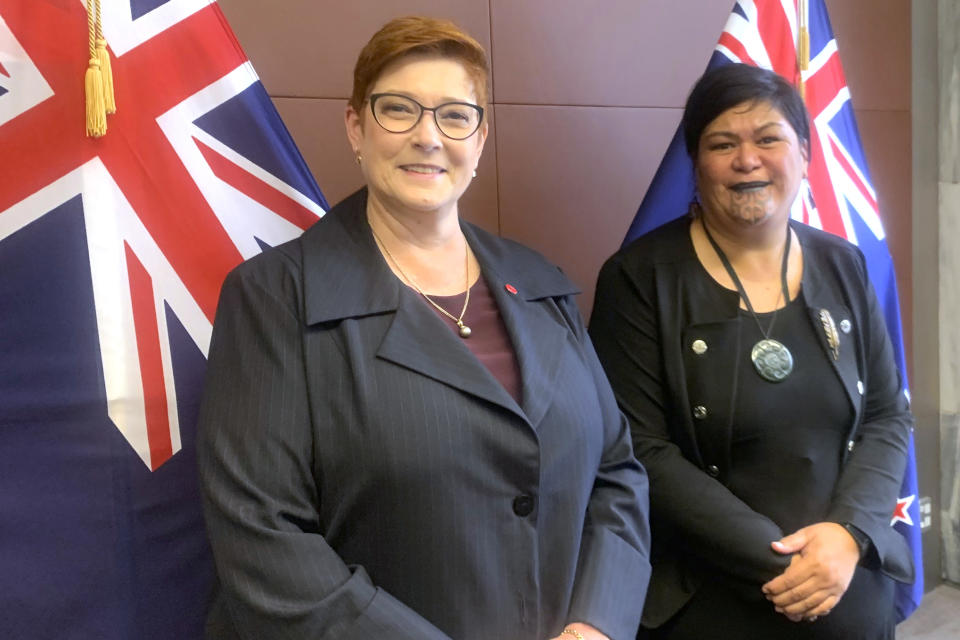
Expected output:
(803, 46)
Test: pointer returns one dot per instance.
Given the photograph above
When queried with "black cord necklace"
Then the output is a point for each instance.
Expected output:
(772, 360)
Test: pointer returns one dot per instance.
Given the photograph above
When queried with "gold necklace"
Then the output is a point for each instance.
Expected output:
(464, 329)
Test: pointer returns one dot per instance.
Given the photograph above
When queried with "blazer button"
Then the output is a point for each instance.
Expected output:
(713, 470)
(700, 412)
(699, 347)
(850, 445)
(860, 386)
(523, 505)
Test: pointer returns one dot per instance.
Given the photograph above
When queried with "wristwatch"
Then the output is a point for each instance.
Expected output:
(862, 540)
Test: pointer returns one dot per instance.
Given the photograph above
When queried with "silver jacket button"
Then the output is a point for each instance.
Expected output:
(713, 470)
(845, 325)
(699, 347)
(860, 386)
(850, 445)
(699, 412)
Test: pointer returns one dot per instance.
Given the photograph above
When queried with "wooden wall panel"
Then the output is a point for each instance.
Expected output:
(572, 177)
(307, 48)
(615, 52)
(317, 126)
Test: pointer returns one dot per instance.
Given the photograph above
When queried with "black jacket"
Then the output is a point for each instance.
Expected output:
(650, 306)
(365, 476)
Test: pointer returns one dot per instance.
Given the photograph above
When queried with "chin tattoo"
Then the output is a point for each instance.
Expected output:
(751, 207)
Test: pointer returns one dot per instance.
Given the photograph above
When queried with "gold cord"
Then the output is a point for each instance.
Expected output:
(803, 46)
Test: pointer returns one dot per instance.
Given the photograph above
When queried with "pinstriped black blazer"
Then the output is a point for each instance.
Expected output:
(361, 469)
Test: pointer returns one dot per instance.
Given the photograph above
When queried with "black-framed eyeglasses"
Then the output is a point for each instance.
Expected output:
(398, 114)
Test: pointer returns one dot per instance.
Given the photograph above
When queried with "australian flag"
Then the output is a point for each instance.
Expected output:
(112, 253)
(837, 196)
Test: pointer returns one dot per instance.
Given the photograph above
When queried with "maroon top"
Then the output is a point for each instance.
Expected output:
(489, 340)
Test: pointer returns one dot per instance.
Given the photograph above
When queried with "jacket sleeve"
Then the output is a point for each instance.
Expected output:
(687, 505)
(613, 568)
(279, 577)
(869, 484)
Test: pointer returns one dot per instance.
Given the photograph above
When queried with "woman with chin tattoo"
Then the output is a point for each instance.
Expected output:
(749, 354)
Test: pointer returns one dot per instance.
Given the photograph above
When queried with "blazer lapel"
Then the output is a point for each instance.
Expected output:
(819, 300)
(340, 251)
(536, 326)
(418, 340)
(537, 337)
(845, 362)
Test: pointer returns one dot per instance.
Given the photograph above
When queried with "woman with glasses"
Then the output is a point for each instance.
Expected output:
(406, 432)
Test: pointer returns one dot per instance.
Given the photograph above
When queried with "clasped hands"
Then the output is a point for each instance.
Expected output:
(825, 556)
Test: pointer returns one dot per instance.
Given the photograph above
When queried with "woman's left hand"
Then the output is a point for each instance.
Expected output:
(819, 573)
(588, 632)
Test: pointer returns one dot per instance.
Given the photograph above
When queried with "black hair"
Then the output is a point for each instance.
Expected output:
(727, 86)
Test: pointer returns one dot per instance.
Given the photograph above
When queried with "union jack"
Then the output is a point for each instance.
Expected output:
(837, 196)
(112, 252)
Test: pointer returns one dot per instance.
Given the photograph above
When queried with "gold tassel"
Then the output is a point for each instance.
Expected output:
(93, 83)
(99, 77)
(96, 110)
(106, 71)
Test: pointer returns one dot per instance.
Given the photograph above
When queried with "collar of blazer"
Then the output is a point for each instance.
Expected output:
(822, 252)
(340, 252)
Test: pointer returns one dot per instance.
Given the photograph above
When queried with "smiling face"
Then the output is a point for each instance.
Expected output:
(749, 166)
(421, 170)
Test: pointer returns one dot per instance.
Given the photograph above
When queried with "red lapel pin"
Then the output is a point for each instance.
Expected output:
(512, 289)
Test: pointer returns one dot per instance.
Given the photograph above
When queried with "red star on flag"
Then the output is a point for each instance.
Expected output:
(901, 513)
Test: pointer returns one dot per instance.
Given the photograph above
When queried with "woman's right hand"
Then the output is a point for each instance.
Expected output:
(825, 557)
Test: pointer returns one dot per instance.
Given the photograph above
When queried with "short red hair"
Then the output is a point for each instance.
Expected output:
(413, 35)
